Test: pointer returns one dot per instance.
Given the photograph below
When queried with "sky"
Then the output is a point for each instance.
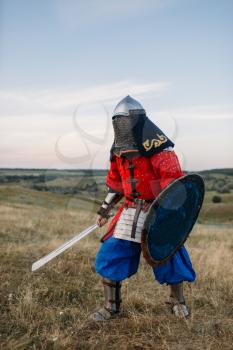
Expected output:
(65, 64)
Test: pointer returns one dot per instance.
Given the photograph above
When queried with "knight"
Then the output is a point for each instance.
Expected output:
(142, 164)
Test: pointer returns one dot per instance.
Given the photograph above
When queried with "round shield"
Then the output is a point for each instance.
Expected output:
(171, 217)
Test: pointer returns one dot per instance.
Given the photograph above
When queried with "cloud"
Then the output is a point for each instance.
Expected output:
(202, 112)
(34, 122)
(37, 127)
(62, 101)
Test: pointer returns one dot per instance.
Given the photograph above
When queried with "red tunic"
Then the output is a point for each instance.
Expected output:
(141, 177)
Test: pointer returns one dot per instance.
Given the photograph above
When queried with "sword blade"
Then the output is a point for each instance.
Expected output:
(41, 262)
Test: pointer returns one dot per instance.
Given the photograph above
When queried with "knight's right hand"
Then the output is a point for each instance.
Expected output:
(101, 221)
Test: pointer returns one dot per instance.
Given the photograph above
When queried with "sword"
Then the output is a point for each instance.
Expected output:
(41, 262)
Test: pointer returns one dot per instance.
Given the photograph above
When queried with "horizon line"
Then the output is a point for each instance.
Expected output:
(103, 169)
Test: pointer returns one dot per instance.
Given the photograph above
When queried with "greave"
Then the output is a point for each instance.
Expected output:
(112, 295)
(177, 292)
(177, 302)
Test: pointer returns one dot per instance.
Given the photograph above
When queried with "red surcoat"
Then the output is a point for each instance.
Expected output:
(141, 177)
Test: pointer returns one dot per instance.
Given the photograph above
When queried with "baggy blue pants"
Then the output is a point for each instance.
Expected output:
(118, 259)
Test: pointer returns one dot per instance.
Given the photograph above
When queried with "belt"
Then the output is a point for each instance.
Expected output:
(139, 200)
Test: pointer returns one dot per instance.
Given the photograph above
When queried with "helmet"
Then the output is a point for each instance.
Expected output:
(134, 132)
(128, 104)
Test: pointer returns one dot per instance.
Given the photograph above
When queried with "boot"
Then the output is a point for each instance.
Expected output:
(177, 302)
(112, 301)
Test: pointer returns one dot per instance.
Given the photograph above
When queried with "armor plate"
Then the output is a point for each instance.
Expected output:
(123, 229)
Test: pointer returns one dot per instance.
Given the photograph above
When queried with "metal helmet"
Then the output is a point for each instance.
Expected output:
(125, 106)
(134, 131)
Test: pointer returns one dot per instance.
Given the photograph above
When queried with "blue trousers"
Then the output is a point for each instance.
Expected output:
(118, 259)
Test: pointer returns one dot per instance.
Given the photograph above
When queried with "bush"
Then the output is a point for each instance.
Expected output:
(221, 186)
(224, 189)
(216, 199)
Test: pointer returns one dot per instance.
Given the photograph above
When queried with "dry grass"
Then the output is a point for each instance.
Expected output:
(49, 309)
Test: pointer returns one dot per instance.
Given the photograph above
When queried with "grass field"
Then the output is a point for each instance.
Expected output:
(49, 309)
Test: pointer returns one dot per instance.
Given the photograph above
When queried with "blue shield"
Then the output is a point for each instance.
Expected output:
(171, 217)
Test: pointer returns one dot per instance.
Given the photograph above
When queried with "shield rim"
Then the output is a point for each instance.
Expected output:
(155, 203)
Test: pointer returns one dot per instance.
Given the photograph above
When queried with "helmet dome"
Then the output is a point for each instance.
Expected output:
(126, 105)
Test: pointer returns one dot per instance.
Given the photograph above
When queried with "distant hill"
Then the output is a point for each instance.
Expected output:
(223, 171)
(71, 181)
(98, 172)
(83, 187)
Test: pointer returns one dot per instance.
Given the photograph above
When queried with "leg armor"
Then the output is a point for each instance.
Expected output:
(112, 295)
(177, 292)
(177, 302)
(112, 301)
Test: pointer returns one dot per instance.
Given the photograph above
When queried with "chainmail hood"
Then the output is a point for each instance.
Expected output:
(137, 133)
